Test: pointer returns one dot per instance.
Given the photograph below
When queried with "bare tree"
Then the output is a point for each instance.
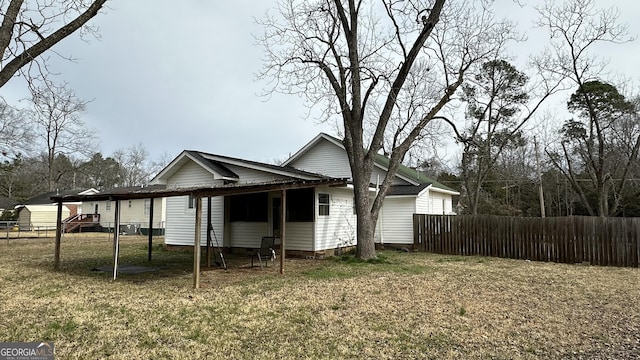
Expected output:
(15, 132)
(387, 69)
(57, 124)
(500, 101)
(29, 28)
(9, 177)
(575, 27)
(135, 166)
(600, 147)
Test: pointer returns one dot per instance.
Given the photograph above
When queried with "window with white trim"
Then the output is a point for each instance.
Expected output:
(323, 204)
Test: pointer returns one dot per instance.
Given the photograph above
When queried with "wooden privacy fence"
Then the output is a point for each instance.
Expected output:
(574, 239)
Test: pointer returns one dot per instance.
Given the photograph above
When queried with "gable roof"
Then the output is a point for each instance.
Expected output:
(219, 165)
(409, 173)
(189, 155)
(52, 208)
(45, 198)
(404, 172)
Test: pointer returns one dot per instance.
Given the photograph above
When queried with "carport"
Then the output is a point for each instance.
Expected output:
(198, 193)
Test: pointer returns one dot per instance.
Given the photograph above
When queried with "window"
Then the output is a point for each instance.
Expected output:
(300, 205)
(250, 207)
(323, 204)
(147, 206)
(108, 205)
(191, 203)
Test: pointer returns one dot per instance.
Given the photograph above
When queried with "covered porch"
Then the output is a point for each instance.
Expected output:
(199, 194)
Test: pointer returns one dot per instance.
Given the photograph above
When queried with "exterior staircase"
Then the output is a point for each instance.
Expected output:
(82, 221)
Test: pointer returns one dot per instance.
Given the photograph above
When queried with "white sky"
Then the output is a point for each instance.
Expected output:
(181, 75)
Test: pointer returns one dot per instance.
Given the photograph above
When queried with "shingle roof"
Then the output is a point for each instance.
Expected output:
(213, 165)
(45, 198)
(289, 169)
(404, 171)
(413, 174)
(396, 190)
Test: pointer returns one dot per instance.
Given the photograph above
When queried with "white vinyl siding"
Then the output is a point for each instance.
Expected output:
(423, 203)
(328, 159)
(180, 223)
(40, 217)
(396, 220)
(136, 214)
(299, 236)
(247, 234)
(441, 203)
(192, 174)
(339, 228)
(325, 158)
(180, 227)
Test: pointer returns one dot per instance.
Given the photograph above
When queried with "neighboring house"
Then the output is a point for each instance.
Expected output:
(74, 207)
(36, 212)
(410, 193)
(134, 214)
(318, 218)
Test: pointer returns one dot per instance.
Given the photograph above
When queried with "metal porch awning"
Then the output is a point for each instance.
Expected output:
(198, 192)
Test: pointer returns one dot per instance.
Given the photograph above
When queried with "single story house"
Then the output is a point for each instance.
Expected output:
(319, 219)
(134, 213)
(36, 213)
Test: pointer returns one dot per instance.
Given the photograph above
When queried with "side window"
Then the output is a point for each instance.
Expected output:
(147, 206)
(108, 205)
(323, 204)
(191, 204)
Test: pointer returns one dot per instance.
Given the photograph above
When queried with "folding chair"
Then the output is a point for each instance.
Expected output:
(266, 251)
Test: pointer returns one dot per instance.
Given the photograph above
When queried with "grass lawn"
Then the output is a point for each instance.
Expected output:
(406, 306)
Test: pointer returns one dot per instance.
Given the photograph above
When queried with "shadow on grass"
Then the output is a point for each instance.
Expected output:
(82, 258)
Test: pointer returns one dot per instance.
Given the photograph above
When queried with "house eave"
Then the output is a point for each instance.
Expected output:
(206, 191)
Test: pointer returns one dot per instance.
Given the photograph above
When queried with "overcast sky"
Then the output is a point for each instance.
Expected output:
(181, 75)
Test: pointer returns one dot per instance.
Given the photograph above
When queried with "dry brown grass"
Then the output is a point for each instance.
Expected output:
(408, 306)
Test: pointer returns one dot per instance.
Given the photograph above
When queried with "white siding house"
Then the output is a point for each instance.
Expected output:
(410, 193)
(318, 218)
(40, 211)
(134, 213)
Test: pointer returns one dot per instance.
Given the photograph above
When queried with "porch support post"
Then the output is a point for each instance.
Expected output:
(56, 255)
(209, 227)
(283, 232)
(196, 244)
(116, 239)
(150, 227)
